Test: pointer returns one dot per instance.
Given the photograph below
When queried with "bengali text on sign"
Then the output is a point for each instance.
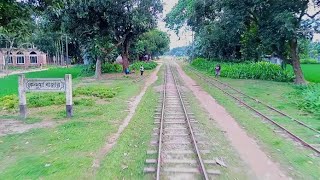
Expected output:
(49, 85)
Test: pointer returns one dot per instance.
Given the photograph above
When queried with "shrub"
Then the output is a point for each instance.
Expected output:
(48, 99)
(146, 65)
(45, 99)
(310, 98)
(111, 68)
(9, 102)
(247, 70)
(105, 68)
(100, 92)
(309, 61)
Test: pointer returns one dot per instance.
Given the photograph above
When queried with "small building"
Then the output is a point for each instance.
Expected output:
(273, 59)
(20, 57)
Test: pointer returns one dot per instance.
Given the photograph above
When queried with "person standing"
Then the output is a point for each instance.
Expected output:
(141, 70)
(218, 70)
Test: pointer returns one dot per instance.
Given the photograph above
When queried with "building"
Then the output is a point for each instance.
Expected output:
(23, 57)
(273, 59)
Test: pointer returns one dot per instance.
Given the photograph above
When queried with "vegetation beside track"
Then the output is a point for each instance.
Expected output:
(249, 70)
(127, 159)
(298, 161)
(68, 149)
(259, 70)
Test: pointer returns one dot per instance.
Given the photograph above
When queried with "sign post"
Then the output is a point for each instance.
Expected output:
(69, 109)
(22, 97)
(45, 85)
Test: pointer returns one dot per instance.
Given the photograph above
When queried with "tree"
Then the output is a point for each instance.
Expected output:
(15, 24)
(154, 43)
(257, 27)
(105, 24)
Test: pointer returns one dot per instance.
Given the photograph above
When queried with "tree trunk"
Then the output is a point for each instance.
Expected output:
(125, 55)
(296, 63)
(98, 69)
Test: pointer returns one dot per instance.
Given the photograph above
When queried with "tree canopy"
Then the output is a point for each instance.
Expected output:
(154, 43)
(233, 29)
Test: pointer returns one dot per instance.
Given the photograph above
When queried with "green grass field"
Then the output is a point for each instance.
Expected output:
(311, 72)
(67, 150)
(9, 84)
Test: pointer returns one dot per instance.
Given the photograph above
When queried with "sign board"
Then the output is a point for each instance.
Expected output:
(45, 85)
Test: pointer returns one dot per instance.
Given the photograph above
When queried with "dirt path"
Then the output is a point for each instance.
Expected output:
(262, 166)
(20, 72)
(112, 140)
(18, 127)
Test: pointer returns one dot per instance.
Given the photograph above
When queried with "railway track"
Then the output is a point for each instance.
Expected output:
(178, 152)
(298, 130)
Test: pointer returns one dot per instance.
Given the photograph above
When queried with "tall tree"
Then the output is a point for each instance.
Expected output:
(154, 43)
(16, 24)
(106, 25)
(263, 26)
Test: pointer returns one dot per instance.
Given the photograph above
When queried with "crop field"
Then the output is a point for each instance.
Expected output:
(311, 72)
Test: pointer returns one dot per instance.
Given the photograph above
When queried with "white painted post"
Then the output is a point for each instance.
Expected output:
(69, 103)
(22, 97)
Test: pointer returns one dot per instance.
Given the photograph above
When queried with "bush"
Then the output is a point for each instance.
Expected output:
(9, 102)
(100, 92)
(105, 68)
(146, 65)
(309, 61)
(111, 68)
(45, 99)
(247, 70)
(310, 98)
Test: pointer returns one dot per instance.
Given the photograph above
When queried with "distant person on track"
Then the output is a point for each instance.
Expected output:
(141, 70)
(218, 70)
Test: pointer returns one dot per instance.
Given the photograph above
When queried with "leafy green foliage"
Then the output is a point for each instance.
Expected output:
(309, 98)
(309, 61)
(111, 68)
(250, 70)
(154, 42)
(95, 91)
(45, 99)
(247, 30)
(146, 65)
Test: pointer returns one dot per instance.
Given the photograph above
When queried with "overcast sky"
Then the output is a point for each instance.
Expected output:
(185, 35)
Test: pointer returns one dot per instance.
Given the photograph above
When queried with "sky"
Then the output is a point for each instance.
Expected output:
(186, 35)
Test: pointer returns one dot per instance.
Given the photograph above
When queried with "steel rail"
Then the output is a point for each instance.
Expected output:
(161, 126)
(263, 103)
(194, 142)
(263, 115)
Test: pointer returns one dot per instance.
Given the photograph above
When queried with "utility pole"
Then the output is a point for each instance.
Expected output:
(67, 53)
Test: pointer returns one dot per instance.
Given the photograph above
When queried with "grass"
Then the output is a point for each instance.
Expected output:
(9, 84)
(127, 158)
(311, 72)
(67, 150)
(298, 162)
